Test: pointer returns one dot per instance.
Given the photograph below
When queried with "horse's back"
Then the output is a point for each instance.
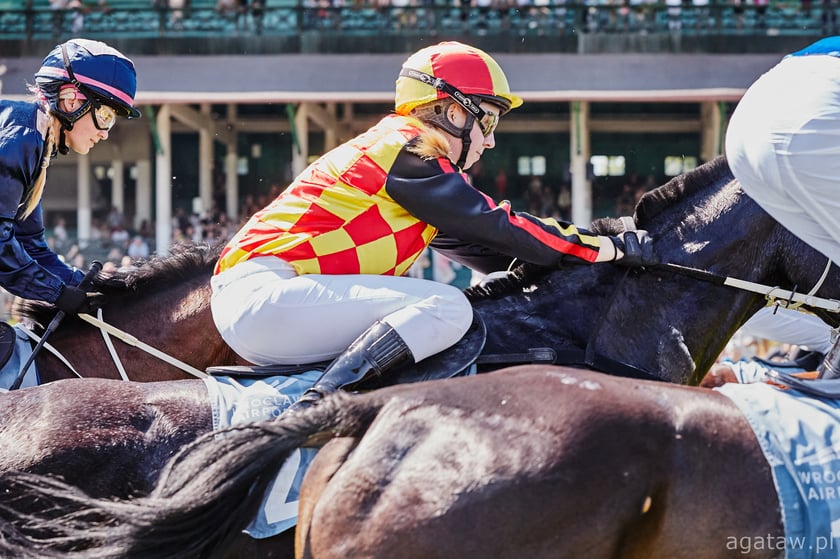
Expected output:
(109, 437)
(538, 462)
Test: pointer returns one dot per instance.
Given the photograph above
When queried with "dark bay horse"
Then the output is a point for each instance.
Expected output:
(672, 326)
(534, 461)
(164, 302)
(669, 326)
(664, 323)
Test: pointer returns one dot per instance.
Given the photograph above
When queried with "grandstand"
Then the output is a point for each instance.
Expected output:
(236, 102)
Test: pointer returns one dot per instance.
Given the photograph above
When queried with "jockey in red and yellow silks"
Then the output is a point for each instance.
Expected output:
(326, 259)
(340, 215)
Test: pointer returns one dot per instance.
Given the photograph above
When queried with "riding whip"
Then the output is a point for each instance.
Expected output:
(95, 267)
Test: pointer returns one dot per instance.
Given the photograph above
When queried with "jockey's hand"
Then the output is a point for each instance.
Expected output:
(634, 249)
(73, 300)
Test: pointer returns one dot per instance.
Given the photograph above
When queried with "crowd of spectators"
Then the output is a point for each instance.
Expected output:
(472, 16)
(117, 244)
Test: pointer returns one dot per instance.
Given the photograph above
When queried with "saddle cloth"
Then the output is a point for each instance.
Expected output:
(20, 350)
(237, 400)
(800, 438)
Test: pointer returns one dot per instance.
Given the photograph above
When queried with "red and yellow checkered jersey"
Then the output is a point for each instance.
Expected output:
(336, 217)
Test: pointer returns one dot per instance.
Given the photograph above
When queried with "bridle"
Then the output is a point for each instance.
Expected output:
(109, 330)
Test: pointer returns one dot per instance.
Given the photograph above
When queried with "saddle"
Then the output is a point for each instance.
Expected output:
(464, 358)
(451, 362)
(461, 359)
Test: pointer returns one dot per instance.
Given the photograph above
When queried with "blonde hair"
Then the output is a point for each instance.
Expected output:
(34, 196)
(37, 191)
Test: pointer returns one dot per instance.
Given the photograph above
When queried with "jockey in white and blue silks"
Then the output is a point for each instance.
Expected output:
(783, 146)
(80, 89)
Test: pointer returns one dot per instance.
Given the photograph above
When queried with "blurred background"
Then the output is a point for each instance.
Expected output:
(239, 95)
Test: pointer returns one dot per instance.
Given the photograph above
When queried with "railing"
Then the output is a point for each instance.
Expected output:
(552, 19)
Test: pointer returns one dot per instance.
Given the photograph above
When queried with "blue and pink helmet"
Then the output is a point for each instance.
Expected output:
(99, 72)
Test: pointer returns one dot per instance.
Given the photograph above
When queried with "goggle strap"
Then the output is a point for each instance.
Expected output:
(441, 85)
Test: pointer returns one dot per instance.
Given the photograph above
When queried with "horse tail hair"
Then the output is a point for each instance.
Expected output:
(208, 493)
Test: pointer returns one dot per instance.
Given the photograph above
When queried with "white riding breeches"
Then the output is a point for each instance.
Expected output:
(783, 145)
(269, 314)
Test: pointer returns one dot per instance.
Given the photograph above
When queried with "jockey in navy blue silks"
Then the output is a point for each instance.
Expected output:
(80, 89)
(783, 146)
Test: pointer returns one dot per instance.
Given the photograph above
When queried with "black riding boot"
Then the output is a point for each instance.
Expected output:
(373, 353)
(830, 367)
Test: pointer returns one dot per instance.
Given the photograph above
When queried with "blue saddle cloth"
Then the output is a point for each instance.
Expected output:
(19, 355)
(800, 437)
(237, 400)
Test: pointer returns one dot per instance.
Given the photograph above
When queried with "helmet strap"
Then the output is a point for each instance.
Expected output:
(436, 113)
(466, 141)
(62, 140)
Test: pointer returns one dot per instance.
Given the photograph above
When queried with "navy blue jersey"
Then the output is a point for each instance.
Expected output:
(28, 268)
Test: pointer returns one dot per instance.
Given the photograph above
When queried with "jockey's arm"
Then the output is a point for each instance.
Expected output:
(20, 274)
(448, 202)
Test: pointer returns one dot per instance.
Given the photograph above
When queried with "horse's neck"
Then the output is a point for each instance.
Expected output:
(178, 324)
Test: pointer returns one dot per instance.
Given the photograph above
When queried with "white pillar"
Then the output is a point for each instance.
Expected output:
(205, 164)
(231, 176)
(580, 154)
(143, 195)
(231, 182)
(163, 183)
(300, 157)
(83, 209)
(118, 185)
(711, 130)
(331, 133)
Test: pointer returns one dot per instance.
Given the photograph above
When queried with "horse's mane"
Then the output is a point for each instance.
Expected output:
(650, 205)
(655, 201)
(186, 261)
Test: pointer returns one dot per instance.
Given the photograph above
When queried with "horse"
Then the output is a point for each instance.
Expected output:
(163, 302)
(584, 314)
(669, 325)
(534, 461)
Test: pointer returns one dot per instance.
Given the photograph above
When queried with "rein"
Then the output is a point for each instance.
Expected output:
(775, 295)
(33, 336)
(107, 329)
(132, 341)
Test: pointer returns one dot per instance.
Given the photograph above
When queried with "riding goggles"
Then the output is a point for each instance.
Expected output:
(487, 122)
(104, 117)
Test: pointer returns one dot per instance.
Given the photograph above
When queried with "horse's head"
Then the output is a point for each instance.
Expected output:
(671, 325)
(704, 220)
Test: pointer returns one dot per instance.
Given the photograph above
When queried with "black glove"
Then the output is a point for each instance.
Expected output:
(73, 300)
(637, 247)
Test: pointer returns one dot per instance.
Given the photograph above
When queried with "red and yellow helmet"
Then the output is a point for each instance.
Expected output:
(468, 69)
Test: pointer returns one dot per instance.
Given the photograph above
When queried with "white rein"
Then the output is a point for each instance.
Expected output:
(108, 330)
